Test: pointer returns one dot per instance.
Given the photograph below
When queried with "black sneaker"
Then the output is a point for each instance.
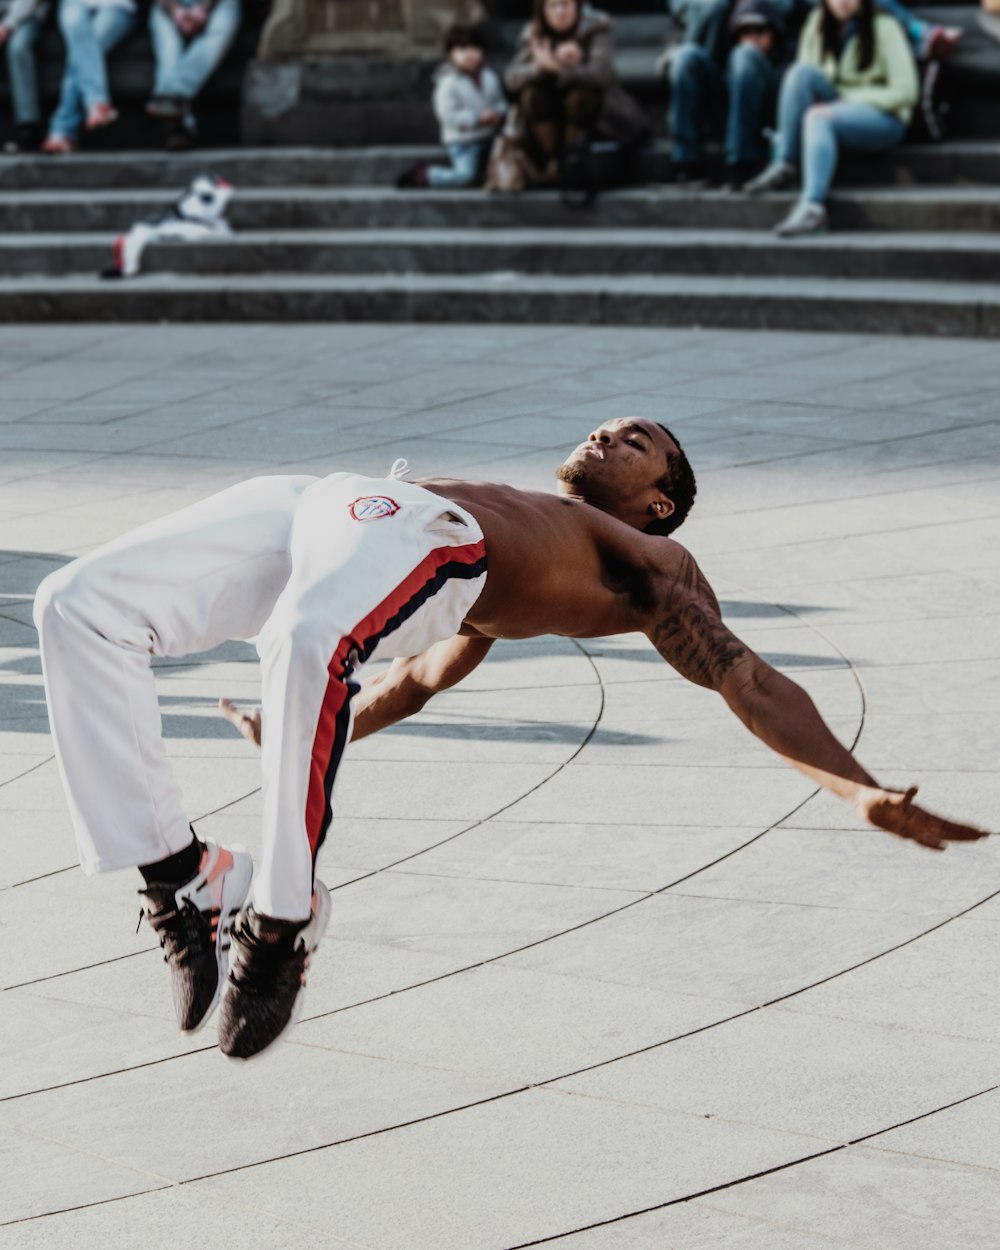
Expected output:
(193, 922)
(267, 977)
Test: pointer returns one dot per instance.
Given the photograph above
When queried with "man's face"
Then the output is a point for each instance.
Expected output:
(844, 10)
(618, 467)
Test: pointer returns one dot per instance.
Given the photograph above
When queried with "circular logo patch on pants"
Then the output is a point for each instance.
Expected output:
(373, 508)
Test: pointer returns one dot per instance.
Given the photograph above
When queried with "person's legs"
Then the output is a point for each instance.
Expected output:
(581, 108)
(842, 124)
(753, 84)
(697, 94)
(23, 72)
(802, 87)
(84, 58)
(463, 171)
(180, 584)
(201, 56)
(168, 48)
(542, 108)
(377, 566)
(111, 24)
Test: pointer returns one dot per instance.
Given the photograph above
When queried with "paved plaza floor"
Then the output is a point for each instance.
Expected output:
(603, 972)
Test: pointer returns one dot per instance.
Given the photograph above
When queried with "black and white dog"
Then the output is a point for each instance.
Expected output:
(199, 213)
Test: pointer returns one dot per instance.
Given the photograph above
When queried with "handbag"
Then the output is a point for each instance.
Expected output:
(509, 168)
(590, 166)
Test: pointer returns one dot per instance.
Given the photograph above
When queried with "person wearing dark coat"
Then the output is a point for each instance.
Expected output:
(561, 74)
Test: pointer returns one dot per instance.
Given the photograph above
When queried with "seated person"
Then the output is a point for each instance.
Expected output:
(90, 29)
(854, 84)
(560, 75)
(470, 105)
(726, 76)
(20, 25)
(190, 38)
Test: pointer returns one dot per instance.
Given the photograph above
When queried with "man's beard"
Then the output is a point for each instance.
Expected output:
(573, 473)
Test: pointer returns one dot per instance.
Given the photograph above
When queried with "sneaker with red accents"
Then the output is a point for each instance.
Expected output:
(267, 977)
(194, 922)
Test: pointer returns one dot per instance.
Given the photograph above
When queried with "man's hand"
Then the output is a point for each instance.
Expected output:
(248, 723)
(5, 32)
(490, 117)
(895, 812)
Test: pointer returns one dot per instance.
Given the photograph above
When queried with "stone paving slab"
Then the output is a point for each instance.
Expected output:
(565, 894)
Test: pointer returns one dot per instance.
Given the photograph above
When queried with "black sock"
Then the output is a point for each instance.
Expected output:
(177, 868)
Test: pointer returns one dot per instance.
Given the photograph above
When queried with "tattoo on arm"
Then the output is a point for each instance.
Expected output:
(689, 632)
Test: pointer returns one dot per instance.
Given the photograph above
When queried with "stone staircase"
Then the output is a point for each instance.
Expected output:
(323, 235)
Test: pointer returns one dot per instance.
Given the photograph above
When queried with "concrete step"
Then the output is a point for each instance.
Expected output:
(597, 253)
(944, 164)
(358, 208)
(964, 309)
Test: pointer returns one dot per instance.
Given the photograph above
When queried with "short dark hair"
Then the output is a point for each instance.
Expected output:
(678, 485)
(462, 37)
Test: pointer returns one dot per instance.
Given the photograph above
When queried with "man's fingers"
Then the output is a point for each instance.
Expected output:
(247, 723)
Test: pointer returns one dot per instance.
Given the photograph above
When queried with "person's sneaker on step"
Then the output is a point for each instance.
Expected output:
(193, 918)
(778, 176)
(414, 179)
(267, 976)
(805, 218)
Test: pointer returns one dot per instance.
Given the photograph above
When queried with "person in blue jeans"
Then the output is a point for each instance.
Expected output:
(190, 38)
(20, 25)
(726, 76)
(90, 29)
(853, 85)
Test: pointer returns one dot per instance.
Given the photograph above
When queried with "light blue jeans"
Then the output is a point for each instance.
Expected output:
(699, 95)
(23, 72)
(464, 168)
(89, 35)
(812, 137)
(184, 66)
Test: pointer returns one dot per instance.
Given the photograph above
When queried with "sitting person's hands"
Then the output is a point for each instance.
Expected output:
(5, 33)
(190, 19)
(490, 117)
(569, 53)
(542, 55)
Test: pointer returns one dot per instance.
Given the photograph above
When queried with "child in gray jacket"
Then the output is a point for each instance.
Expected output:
(469, 104)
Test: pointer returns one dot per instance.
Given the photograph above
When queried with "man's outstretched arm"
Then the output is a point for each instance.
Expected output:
(399, 691)
(688, 631)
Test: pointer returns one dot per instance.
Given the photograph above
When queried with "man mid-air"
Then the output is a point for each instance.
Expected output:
(328, 573)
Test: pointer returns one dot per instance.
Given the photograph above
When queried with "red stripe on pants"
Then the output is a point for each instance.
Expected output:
(336, 688)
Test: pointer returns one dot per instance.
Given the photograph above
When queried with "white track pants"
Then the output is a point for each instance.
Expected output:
(326, 573)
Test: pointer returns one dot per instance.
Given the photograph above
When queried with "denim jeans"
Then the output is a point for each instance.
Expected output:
(183, 66)
(23, 72)
(466, 159)
(89, 34)
(812, 137)
(699, 96)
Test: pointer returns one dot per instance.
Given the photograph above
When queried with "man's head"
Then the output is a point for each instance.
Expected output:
(634, 469)
(463, 46)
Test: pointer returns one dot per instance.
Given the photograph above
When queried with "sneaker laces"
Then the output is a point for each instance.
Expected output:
(182, 930)
(259, 966)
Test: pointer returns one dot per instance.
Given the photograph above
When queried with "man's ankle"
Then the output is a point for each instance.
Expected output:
(177, 868)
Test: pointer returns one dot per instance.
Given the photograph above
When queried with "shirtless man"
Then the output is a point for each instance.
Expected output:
(328, 573)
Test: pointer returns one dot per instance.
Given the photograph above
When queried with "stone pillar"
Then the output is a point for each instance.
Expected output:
(348, 72)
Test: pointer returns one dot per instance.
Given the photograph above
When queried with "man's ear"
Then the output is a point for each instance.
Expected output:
(661, 507)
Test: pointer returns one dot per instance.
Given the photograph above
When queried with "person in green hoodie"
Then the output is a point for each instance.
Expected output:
(853, 85)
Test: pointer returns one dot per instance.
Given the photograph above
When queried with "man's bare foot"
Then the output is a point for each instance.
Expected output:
(99, 115)
(248, 723)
